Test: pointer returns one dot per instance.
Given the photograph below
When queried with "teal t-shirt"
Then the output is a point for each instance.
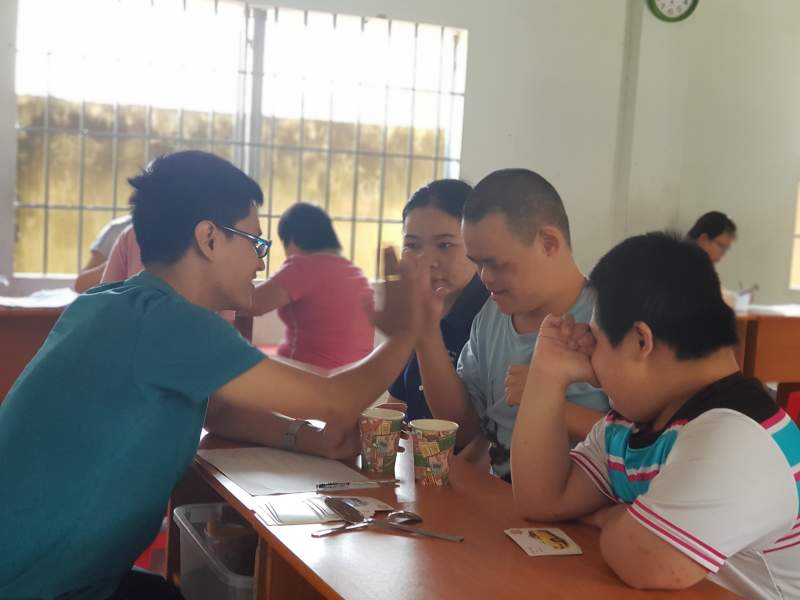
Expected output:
(97, 431)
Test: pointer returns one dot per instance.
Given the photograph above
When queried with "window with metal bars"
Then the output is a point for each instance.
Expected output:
(350, 113)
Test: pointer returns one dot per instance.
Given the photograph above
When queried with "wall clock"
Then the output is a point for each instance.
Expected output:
(672, 10)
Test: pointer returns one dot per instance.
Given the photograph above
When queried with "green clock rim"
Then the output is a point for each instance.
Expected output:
(659, 15)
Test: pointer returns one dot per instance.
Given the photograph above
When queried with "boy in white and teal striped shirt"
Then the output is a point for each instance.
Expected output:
(695, 472)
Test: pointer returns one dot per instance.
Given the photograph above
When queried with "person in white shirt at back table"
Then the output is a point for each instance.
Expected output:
(100, 251)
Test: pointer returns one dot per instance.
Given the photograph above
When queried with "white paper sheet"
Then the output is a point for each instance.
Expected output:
(302, 509)
(42, 299)
(786, 310)
(263, 471)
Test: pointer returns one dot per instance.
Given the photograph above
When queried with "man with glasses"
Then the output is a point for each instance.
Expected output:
(125, 259)
(261, 245)
(107, 416)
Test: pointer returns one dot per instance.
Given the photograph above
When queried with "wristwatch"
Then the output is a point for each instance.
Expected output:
(290, 437)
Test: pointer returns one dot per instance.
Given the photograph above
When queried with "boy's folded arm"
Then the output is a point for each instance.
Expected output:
(578, 497)
(642, 559)
(548, 484)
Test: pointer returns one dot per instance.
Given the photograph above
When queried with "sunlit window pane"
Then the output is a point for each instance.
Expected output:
(30, 167)
(62, 241)
(29, 255)
(98, 180)
(795, 282)
(352, 113)
(341, 185)
(369, 186)
(366, 248)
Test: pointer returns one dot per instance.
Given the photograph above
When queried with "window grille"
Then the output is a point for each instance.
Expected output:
(350, 113)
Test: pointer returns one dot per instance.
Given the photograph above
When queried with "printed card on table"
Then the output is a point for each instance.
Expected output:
(543, 542)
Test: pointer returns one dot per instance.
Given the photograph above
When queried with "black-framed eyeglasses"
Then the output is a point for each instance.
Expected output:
(261, 245)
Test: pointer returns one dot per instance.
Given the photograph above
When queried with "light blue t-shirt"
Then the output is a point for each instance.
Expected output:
(494, 345)
(98, 429)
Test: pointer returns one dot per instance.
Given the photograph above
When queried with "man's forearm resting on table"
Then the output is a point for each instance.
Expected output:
(264, 429)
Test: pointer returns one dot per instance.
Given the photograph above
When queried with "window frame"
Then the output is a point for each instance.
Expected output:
(247, 146)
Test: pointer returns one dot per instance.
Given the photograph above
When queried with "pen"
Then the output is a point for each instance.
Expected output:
(353, 485)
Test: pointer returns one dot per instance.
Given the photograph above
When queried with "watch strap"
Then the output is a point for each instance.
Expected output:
(290, 436)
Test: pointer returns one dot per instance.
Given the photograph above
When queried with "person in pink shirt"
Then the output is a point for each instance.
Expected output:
(320, 295)
(125, 260)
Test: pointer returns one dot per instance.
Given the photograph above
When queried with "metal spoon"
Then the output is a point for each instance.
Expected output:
(352, 515)
(398, 517)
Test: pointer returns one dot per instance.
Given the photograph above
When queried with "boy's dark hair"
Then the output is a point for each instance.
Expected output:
(671, 285)
(447, 195)
(177, 191)
(526, 199)
(713, 224)
(309, 227)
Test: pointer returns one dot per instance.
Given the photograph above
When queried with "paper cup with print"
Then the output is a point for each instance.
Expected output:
(380, 431)
(433, 440)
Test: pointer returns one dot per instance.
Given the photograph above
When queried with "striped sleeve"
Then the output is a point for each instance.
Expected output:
(591, 457)
(724, 488)
(708, 557)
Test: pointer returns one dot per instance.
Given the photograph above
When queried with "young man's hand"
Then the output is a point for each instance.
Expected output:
(341, 443)
(516, 376)
(563, 351)
(336, 442)
(401, 313)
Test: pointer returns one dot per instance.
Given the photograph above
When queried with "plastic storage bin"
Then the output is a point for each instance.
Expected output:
(203, 576)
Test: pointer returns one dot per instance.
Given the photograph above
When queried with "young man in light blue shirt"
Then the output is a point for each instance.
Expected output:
(107, 416)
(516, 232)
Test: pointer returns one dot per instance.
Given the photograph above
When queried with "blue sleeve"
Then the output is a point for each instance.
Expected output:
(190, 351)
(468, 370)
(587, 396)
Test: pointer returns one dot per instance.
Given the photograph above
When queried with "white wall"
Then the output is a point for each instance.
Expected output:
(640, 124)
(742, 148)
(717, 126)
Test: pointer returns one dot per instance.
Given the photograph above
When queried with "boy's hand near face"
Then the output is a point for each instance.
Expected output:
(563, 352)
(547, 487)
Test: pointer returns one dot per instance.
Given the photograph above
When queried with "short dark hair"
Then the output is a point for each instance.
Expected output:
(177, 191)
(526, 199)
(671, 285)
(309, 227)
(713, 224)
(447, 195)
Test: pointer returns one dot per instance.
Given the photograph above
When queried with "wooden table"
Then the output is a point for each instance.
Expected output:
(379, 565)
(772, 348)
(22, 332)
